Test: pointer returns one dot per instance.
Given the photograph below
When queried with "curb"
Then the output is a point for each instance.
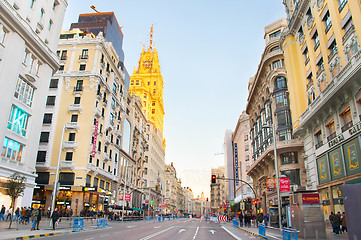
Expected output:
(40, 235)
(254, 234)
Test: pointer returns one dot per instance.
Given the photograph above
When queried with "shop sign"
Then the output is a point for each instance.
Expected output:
(292, 212)
(86, 205)
(236, 161)
(63, 203)
(323, 170)
(90, 189)
(352, 153)
(271, 184)
(284, 184)
(336, 140)
(64, 188)
(310, 198)
(127, 197)
(163, 205)
(95, 138)
(355, 129)
(336, 164)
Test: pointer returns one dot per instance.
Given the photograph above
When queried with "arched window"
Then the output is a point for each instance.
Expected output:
(280, 83)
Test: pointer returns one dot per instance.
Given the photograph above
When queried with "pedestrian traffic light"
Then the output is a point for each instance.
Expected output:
(214, 178)
(255, 203)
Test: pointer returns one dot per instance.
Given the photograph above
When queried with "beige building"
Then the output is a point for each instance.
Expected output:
(96, 125)
(242, 156)
(218, 190)
(29, 35)
(269, 106)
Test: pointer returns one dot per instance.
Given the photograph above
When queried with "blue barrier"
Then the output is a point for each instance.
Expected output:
(163, 217)
(169, 217)
(290, 234)
(78, 224)
(159, 218)
(262, 230)
(236, 222)
(102, 222)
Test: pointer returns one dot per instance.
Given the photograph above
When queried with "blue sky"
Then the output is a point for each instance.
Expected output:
(208, 50)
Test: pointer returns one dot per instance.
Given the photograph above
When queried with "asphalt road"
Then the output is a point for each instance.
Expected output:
(182, 229)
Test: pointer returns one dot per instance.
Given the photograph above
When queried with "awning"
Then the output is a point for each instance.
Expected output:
(137, 209)
(118, 207)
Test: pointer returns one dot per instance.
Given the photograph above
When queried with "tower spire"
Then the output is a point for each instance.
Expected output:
(151, 38)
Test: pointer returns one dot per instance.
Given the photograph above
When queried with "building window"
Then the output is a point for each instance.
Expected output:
(77, 100)
(293, 175)
(153, 111)
(132, 82)
(246, 147)
(318, 139)
(316, 40)
(327, 20)
(71, 137)
(107, 185)
(74, 118)
(79, 85)
(32, 3)
(101, 184)
(50, 24)
(276, 64)
(44, 137)
(42, 178)
(155, 83)
(275, 34)
(50, 101)
(64, 54)
(42, 12)
(137, 82)
(247, 157)
(82, 67)
(2, 35)
(347, 119)
(84, 54)
(281, 99)
(331, 130)
(289, 158)
(285, 135)
(41, 157)
(115, 87)
(95, 182)
(280, 83)
(47, 119)
(24, 91)
(69, 156)
(61, 67)
(88, 180)
(12, 149)
(54, 83)
(66, 178)
(18, 121)
(306, 55)
(342, 4)
(284, 118)
(112, 103)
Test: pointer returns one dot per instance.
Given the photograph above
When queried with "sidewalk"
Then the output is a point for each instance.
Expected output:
(24, 231)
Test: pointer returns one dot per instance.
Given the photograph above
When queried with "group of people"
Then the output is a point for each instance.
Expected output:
(248, 219)
(338, 222)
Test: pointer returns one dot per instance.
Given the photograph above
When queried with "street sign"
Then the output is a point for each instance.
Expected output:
(232, 203)
(284, 184)
(151, 202)
(146, 201)
(242, 206)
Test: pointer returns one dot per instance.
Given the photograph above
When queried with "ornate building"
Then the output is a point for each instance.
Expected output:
(269, 105)
(321, 46)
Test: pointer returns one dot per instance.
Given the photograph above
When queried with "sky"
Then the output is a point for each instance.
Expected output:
(207, 51)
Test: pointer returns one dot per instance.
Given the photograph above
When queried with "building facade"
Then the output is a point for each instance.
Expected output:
(322, 56)
(269, 107)
(218, 191)
(29, 35)
(242, 156)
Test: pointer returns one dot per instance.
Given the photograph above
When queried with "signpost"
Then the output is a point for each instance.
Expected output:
(242, 206)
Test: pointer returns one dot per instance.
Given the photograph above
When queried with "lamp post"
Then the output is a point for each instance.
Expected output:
(125, 187)
(277, 177)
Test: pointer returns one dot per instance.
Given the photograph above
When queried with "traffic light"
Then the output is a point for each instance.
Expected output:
(214, 178)
(255, 203)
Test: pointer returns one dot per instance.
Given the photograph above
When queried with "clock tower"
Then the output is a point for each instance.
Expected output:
(147, 83)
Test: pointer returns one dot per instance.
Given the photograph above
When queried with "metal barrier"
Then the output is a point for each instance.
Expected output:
(78, 224)
(290, 234)
(236, 222)
(262, 230)
(102, 222)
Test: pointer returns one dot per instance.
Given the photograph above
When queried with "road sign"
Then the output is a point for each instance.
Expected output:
(151, 202)
(222, 218)
(232, 203)
(242, 205)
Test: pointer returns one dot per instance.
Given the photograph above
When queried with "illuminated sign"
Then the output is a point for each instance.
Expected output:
(310, 198)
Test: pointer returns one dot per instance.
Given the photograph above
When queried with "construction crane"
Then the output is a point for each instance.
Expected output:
(93, 7)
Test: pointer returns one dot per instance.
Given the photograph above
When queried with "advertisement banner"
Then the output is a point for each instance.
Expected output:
(95, 138)
(323, 170)
(127, 197)
(284, 184)
(310, 198)
(271, 184)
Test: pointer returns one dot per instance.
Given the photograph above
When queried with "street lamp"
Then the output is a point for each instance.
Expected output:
(276, 169)
(125, 187)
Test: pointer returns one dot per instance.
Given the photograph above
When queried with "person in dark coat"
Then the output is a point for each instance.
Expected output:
(55, 217)
(337, 223)
(240, 217)
(39, 218)
(343, 222)
(332, 219)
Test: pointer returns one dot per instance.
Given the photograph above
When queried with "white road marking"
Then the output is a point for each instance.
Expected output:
(104, 235)
(212, 231)
(157, 227)
(88, 238)
(157, 233)
(232, 234)
(130, 226)
(182, 230)
(195, 235)
(117, 232)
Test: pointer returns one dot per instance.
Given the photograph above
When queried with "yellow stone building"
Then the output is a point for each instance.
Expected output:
(323, 61)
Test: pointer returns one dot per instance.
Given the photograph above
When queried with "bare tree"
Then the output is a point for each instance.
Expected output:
(14, 188)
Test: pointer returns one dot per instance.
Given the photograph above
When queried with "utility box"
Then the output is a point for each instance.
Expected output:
(352, 199)
(306, 215)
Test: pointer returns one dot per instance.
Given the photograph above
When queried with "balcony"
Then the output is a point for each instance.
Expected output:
(319, 144)
(83, 58)
(99, 95)
(102, 172)
(331, 136)
(75, 108)
(106, 156)
(97, 112)
(310, 83)
(346, 126)
(118, 133)
(70, 145)
(72, 126)
(320, 70)
(342, 5)
(310, 21)
(107, 140)
(347, 34)
(66, 164)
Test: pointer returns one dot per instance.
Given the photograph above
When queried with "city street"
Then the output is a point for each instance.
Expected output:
(174, 229)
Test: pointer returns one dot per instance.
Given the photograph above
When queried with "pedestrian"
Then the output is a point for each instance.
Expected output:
(240, 216)
(343, 222)
(39, 219)
(17, 214)
(10, 214)
(332, 219)
(27, 215)
(55, 217)
(337, 223)
(2, 213)
(34, 217)
(265, 219)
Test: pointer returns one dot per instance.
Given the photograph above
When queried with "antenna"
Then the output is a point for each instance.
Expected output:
(93, 7)
(151, 38)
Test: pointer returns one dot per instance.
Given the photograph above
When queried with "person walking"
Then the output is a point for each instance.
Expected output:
(337, 223)
(17, 214)
(240, 217)
(10, 214)
(2, 213)
(38, 219)
(34, 217)
(332, 220)
(55, 217)
(343, 222)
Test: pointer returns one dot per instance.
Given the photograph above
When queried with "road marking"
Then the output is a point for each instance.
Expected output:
(88, 238)
(157, 227)
(182, 230)
(188, 220)
(232, 234)
(130, 226)
(104, 235)
(157, 233)
(117, 232)
(195, 235)
(212, 231)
